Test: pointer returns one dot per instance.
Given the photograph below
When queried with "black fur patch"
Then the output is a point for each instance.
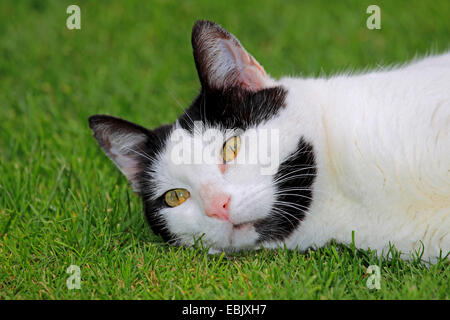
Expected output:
(234, 108)
(294, 181)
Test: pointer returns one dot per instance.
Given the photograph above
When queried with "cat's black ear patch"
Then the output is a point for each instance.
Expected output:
(222, 62)
(125, 143)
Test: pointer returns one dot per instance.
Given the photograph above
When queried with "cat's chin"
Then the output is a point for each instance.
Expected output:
(241, 236)
(233, 238)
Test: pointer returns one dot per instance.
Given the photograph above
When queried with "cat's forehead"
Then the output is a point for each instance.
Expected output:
(194, 141)
(234, 108)
(186, 150)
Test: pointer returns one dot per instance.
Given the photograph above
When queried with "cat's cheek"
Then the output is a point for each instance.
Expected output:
(182, 220)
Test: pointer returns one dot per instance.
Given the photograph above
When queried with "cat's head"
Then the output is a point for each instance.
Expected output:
(204, 176)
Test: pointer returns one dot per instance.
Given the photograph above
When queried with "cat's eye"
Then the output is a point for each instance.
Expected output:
(231, 149)
(176, 197)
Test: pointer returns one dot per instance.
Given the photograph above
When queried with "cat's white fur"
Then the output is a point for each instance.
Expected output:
(382, 147)
(382, 144)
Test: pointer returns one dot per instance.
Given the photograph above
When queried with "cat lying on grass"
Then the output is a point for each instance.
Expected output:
(366, 153)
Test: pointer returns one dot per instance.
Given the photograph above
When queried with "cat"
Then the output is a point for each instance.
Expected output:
(360, 156)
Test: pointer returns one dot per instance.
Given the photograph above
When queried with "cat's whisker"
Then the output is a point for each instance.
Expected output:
(289, 178)
(283, 214)
(313, 190)
(290, 204)
(293, 195)
(292, 173)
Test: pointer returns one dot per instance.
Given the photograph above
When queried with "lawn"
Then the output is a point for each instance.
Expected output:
(62, 202)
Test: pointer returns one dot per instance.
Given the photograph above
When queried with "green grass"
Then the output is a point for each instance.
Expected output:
(62, 201)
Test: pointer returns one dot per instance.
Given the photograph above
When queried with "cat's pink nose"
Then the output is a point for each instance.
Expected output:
(219, 207)
(216, 203)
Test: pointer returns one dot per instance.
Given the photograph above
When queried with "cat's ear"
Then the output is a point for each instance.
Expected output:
(222, 61)
(125, 143)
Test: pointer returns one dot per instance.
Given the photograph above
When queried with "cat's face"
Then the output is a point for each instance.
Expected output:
(217, 174)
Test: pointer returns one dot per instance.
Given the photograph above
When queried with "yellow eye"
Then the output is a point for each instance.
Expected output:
(231, 148)
(176, 197)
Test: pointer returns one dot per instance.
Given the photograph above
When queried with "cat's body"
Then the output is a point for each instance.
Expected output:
(364, 153)
(382, 146)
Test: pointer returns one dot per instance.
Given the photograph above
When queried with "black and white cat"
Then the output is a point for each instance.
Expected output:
(368, 153)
